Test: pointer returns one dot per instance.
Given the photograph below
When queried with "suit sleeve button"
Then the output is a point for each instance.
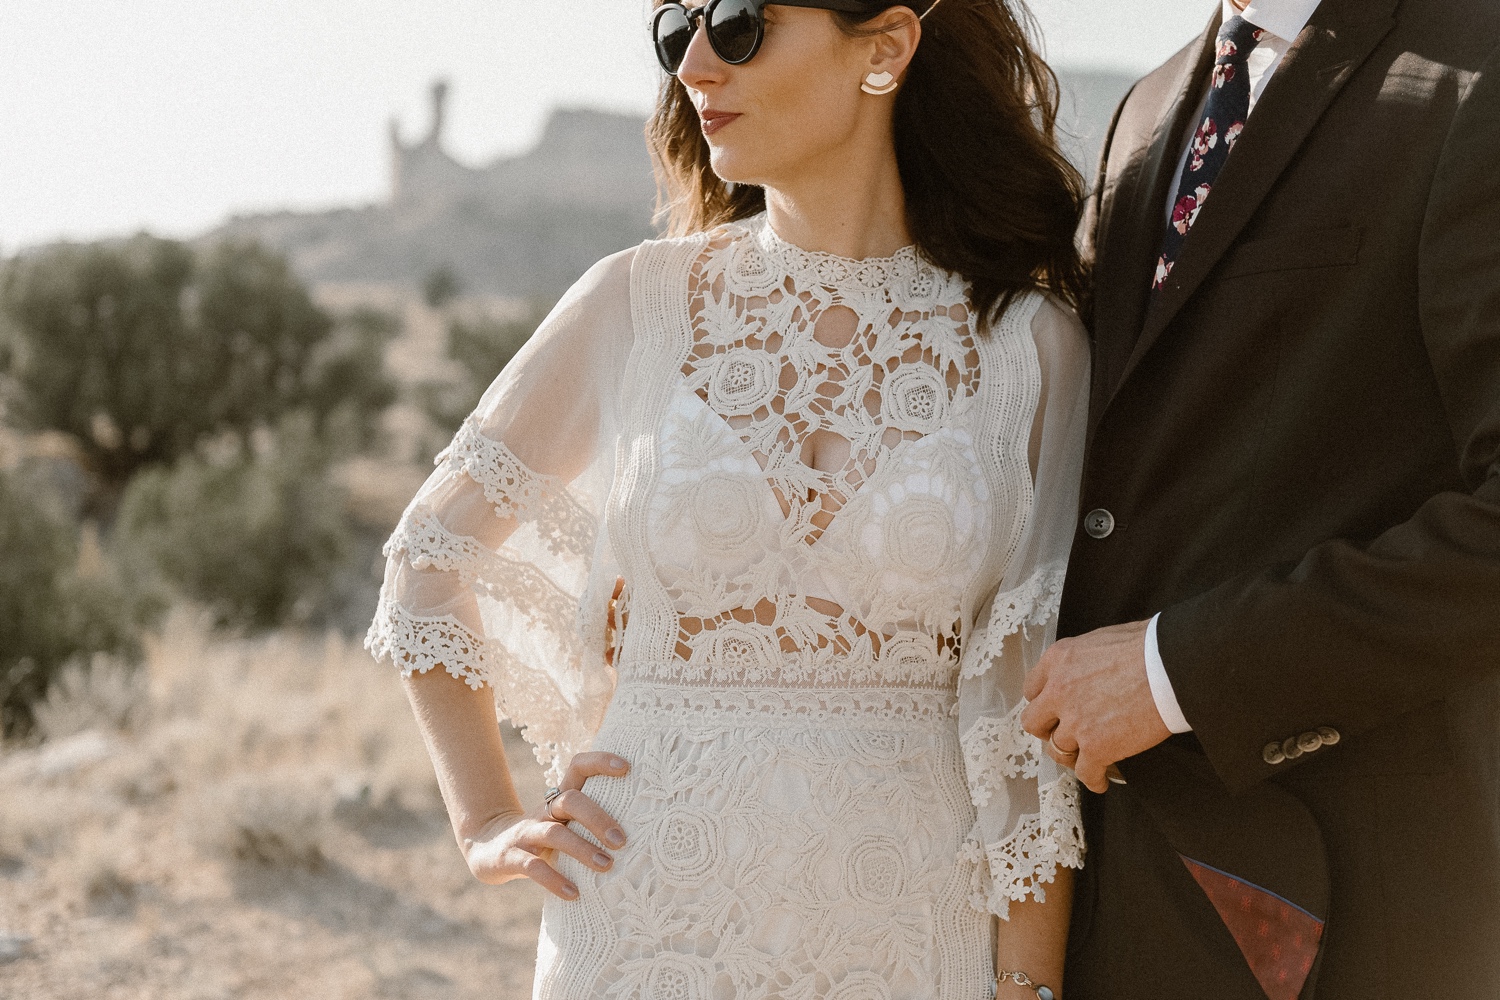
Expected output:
(1328, 736)
(1290, 748)
(1099, 523)
(1272, 754)
(1310, 742)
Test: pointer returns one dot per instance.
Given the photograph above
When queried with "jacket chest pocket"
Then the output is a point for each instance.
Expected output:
(1295, 252)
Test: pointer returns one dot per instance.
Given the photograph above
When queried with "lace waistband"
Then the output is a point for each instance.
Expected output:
(780, 707)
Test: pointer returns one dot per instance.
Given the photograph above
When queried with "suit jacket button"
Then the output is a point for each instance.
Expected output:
(1290, 748)
(1099, 523)
(1328, 736)
(1272, 754)
(1310, 742)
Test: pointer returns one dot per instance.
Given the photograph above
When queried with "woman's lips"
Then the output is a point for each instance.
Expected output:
(714, 120)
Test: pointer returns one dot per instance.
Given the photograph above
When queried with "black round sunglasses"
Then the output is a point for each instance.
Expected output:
(735, 27)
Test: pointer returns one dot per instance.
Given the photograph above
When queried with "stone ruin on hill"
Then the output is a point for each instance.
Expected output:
(527, 226)
(524, 226)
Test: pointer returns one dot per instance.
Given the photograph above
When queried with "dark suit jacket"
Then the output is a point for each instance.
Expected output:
(1299, 440)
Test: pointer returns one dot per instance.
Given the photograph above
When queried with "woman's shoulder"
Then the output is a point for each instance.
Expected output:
(1062, 341)
(1055, 318)
(656, 259)
(606, 278)
(1044, 316)
(605, 287)
(689, 245)
(1059, 337)
(592, 314)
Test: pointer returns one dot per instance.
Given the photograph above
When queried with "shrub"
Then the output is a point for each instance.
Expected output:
(256, 535)
(440, 287)
(278, 819)
(204, 396)
(49, 612)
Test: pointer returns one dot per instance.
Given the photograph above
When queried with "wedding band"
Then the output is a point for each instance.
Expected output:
(552, 794)
(1069, 754)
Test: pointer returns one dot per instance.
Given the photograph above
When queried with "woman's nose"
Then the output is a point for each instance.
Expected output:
(701, 66)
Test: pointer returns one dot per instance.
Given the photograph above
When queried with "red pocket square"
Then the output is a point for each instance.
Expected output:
(1278, 939)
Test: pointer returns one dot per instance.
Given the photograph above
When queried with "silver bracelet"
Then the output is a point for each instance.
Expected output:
(1022, 979)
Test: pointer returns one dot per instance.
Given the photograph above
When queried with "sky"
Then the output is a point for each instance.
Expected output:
(169, 115)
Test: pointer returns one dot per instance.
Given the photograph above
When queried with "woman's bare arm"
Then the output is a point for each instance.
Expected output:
(1035, 939)
(501, 840)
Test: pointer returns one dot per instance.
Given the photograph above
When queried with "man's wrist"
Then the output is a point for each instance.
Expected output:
(1161, 684)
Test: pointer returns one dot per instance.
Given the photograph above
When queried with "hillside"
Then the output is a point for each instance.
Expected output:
(528, 226)
(525, 226)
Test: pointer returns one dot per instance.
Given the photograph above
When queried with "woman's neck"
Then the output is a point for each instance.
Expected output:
(854, 207)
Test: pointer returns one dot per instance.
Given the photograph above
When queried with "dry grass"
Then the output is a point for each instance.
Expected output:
(244, 819)
(102, 694)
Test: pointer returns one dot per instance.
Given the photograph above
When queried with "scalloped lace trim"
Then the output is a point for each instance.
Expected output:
(997, 750)
(1034, 603)
(415, 645)
(1010, 870)
(517, 491)
(427, 545)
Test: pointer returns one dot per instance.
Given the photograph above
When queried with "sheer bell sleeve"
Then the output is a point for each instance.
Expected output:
(496, 573)
(1028, 812)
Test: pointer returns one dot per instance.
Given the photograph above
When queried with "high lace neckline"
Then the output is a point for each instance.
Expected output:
(830, 269)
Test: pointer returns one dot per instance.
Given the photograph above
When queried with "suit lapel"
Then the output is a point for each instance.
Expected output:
(1319, 64)
(1133, 220)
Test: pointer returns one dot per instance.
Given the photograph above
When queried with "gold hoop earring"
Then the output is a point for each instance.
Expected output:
(878, 83)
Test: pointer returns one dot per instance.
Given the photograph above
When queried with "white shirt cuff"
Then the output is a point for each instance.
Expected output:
(1161, 685)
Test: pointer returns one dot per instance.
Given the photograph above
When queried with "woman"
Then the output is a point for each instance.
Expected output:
(818, 457)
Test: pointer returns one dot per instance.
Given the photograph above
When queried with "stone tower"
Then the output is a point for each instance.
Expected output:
(439, 101)
(424, 170)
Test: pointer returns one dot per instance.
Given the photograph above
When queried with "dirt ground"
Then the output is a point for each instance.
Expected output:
(245, 820)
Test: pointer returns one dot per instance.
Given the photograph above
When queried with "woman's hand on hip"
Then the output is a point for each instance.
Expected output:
(525, 846)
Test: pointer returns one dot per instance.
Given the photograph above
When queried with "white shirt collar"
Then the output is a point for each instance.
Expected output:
(1283, 18)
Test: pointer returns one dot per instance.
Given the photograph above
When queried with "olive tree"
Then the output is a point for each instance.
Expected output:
(145, 349)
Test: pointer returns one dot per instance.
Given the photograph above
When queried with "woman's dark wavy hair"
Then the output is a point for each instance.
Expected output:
(989, 195)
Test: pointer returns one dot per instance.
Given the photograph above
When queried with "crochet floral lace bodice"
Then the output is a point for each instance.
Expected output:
(822, 510)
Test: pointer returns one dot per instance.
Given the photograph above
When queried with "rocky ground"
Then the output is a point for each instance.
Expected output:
(244, 819)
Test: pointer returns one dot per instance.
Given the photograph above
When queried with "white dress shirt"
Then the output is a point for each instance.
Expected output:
(1283, 21)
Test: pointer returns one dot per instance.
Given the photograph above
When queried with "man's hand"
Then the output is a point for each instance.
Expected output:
(1090, 699)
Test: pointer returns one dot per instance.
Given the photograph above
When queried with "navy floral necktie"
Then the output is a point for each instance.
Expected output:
(1223, 120)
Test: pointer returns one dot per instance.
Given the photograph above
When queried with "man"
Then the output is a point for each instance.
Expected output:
(1293, 497)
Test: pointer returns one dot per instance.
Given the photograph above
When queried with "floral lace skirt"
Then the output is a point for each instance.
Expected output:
(782, 844)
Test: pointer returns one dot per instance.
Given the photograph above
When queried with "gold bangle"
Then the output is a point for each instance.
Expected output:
(1022, 979)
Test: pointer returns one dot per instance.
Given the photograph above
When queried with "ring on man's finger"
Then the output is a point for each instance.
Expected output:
(1071, 755)
(552, 794)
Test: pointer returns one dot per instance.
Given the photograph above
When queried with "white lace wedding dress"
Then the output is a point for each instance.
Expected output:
(818, 680)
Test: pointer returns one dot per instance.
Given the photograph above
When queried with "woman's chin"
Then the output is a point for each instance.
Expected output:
(732, 166)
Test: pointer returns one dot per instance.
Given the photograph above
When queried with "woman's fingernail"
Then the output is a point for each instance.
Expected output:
(616, 763)
(601, 860)
(570, 891)
(615, 838)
